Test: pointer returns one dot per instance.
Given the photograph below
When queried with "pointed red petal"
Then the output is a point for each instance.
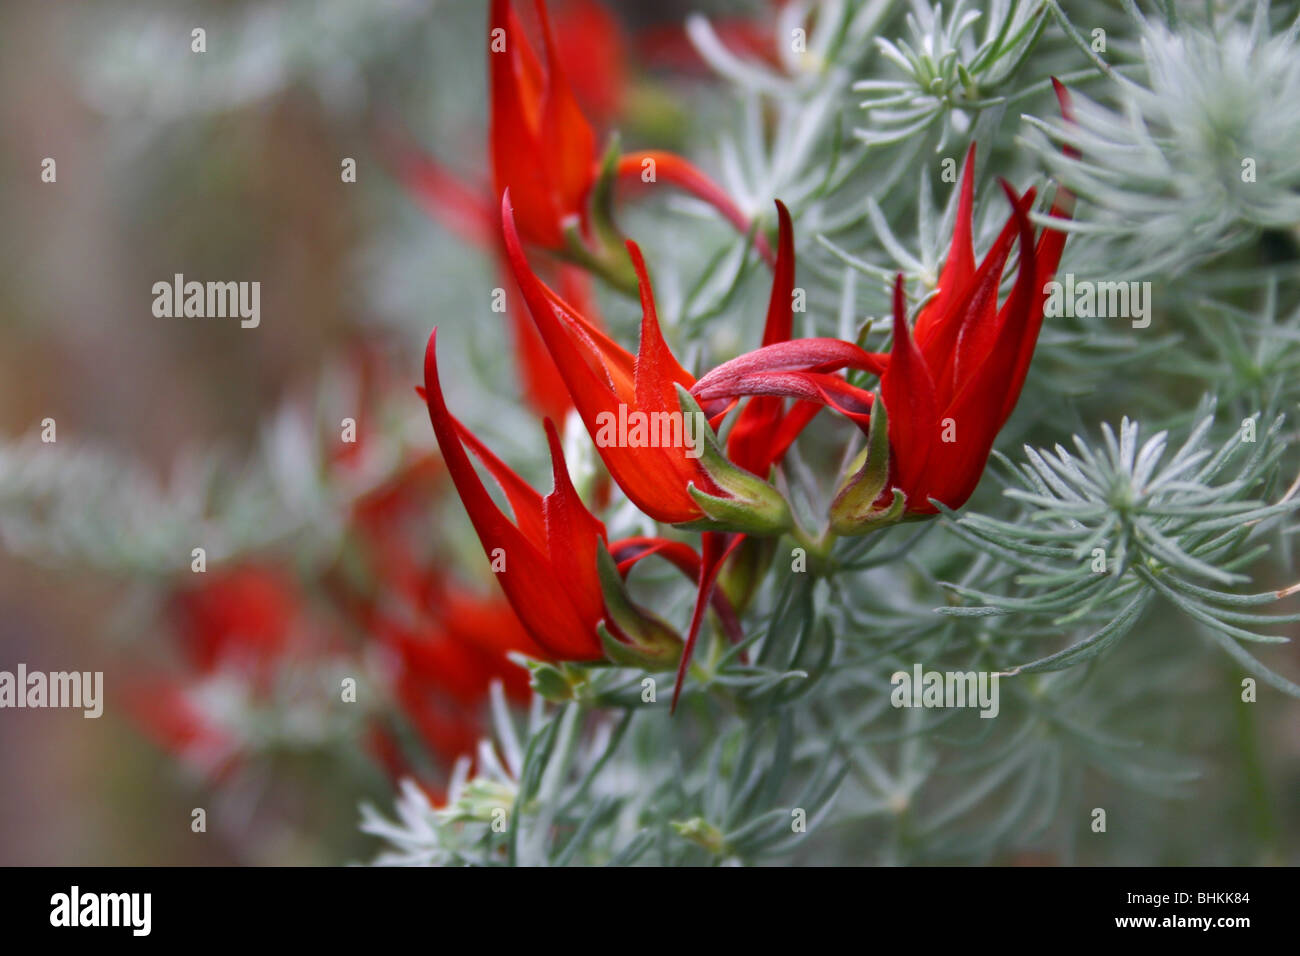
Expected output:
(959, 268)
(716, 551)
(528, 579)
(573, 537)
(524, 501)
(648, 476)
(909, 395)
(569, 143)
(780, 305)
(514, 135)
(982, 321)
(977, 408)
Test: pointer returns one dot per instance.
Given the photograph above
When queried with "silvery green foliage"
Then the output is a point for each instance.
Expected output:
(947, 74)
(77, 503)
(1196, 151)
(1104, 533)
(253, 52)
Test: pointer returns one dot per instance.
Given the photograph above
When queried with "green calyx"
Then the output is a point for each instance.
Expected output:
(652, 645)
(750, 505)
(608, 257)
(854, 510)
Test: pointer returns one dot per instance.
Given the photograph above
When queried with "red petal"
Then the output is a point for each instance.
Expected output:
(573, 537)
(780, 305)
(959, 268)
(676, 170)
(977, 408)
(651, 477)
(808, 355)
(524, 501)
(974, 307)
(569, 144)
(465, 210)
(982, 322)
(909, 395)
(515, 134)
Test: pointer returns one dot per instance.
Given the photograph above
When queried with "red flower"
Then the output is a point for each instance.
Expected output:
(803, 370)
(164, 711)
(947, 387)
(543, 148)
(552, 539)
(242, 616)
(954, 379)
(678, 480)
(591, 44)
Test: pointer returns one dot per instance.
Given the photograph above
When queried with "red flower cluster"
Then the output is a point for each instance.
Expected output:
(944, 390)
(941, 395)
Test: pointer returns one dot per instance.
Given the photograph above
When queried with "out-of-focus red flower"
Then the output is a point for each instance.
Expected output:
(445, 666)
(543, 148)
(595, 55)
(390, 533)
(464, 209)
(166, 714)
(446, 646)
(242, 616)
(670, 48)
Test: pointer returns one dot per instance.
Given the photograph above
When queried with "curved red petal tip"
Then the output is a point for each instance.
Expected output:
(1010, 190)
(430, 365)
(900, 307)
(1066, 103)
(514, 246)
(642, 277)
(785, 239)
(1064, 99)
(785, 243)
(559, 467)
(968, 177)
(779, 325)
